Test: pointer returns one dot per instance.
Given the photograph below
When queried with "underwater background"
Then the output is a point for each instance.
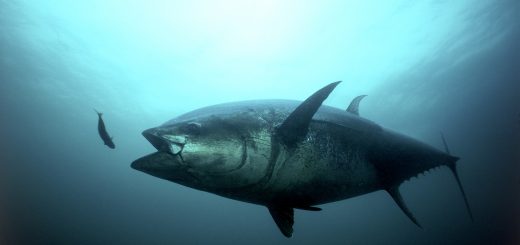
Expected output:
(426, 66)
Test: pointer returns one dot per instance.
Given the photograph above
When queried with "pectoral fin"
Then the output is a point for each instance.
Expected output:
(284, 219)
(394, 192)
(296, 125)
(308, 208)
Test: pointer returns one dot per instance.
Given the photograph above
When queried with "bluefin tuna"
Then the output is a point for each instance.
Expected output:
(288, 155)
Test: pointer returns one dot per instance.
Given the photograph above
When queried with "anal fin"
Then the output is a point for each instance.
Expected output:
(396, 195)
(284, 219)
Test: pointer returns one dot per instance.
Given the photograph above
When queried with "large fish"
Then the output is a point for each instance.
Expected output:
(287, 154)
(103, 132)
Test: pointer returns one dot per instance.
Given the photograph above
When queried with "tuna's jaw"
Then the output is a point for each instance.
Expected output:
(142, 163)
(155, 162)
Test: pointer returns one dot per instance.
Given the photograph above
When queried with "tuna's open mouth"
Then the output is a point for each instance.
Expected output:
(163, 144)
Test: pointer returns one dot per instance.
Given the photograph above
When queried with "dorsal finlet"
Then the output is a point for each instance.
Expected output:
(354, 105)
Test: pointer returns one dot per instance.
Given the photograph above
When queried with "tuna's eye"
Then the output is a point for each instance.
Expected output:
(193, 128)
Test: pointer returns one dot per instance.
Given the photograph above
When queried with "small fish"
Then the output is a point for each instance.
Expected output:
(103, 132)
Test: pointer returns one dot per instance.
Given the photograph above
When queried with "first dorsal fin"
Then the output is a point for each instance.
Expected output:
(396, 195)
(296, 125)
(284, 219)
(354, 105)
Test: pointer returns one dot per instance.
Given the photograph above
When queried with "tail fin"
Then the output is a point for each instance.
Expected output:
(99, 113)
(453, 168)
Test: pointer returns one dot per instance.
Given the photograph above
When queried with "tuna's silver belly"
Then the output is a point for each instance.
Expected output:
(331, 164)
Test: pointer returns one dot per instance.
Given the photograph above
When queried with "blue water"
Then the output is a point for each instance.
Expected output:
(427, 66)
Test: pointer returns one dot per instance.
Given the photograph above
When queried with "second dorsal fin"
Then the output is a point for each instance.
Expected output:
(296, 125)
(354, 105)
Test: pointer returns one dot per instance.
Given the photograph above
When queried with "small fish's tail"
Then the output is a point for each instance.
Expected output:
(99, 113)
(453, 168)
